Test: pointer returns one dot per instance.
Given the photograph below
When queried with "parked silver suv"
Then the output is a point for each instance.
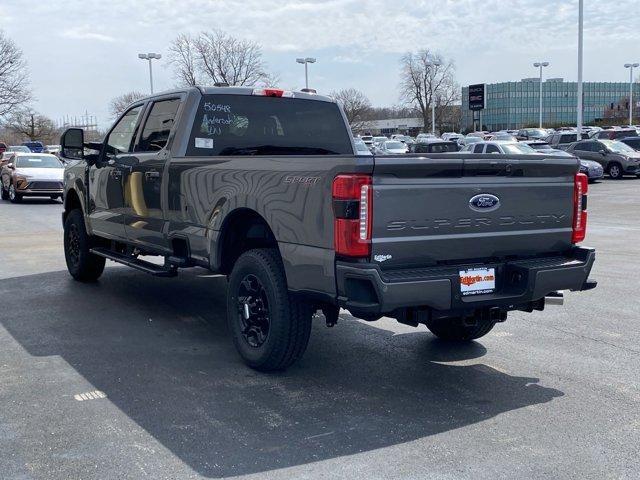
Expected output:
(616, 158)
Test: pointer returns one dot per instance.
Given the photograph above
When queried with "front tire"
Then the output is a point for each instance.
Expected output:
(14, 196)
(270, 328)
(5, 193)
(615, 171)
(455, 329)
(83, 265)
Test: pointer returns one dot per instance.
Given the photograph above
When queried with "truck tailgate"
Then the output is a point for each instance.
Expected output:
(453, 209)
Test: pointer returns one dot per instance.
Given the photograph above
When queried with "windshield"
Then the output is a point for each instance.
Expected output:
(469, 140)
(257, 125)
(540, 146)
(618, 147)
(18, 148)
(517, 148)
(505, 136)
(38, 162)
(537, 132)
(394, 145)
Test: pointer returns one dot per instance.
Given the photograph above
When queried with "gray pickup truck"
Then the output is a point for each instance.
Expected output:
(265, 186)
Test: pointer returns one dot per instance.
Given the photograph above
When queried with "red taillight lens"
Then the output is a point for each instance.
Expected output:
(352, 204)
(272, 92)
(581, 186)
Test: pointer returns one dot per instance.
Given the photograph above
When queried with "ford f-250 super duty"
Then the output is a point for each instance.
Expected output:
(265, 186)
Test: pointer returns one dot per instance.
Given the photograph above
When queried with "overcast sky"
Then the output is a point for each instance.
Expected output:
(82, 53)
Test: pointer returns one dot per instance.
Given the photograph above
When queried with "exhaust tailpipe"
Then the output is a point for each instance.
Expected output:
(554, 298)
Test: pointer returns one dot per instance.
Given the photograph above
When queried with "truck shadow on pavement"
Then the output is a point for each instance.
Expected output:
(161, 352)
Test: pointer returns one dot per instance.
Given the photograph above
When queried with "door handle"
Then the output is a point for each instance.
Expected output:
(151, 175)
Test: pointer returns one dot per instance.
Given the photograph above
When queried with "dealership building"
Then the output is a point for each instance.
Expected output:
(512, 105)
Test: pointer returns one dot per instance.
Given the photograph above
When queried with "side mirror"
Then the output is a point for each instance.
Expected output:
(72, 144)
(11, 166)
(602, 152)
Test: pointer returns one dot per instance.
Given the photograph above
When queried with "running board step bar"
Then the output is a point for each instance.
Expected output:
(143, 266)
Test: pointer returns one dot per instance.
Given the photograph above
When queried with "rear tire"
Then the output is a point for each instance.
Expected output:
(83, 265)
(5, 193)
(454, 329)
(615, 171)
(269, 327)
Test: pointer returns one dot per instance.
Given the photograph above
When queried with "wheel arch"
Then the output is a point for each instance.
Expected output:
(72, 201)
(242, 229)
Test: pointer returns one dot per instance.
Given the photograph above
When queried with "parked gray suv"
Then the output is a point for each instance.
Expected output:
(617, 158)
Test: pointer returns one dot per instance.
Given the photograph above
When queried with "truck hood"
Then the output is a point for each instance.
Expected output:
(41, 173)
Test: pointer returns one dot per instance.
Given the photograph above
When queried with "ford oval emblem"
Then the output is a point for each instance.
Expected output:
(485, 202)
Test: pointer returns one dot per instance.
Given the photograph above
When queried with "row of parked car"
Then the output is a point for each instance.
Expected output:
(29, 147)
(611, 150)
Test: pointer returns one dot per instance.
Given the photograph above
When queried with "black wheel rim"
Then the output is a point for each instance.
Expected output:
(253, 311)
(73, 244)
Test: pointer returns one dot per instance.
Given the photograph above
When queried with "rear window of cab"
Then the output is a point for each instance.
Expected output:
(256, 125)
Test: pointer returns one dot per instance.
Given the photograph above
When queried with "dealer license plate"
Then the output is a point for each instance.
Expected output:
(477, 281)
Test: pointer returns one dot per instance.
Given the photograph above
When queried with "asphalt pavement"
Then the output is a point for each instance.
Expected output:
(136, 377)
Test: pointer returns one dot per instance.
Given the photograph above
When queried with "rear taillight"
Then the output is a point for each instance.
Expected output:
(581, 185)
(352, 207)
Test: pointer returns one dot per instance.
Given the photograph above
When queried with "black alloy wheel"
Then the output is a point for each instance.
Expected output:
(253, 311)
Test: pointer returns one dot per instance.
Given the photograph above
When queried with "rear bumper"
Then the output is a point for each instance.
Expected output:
(366, 290)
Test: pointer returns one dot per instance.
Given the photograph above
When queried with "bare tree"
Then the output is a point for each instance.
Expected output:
(121, 102)
(217, 57)
(355, 104)
(428, 78)
(14, 77)
(32, 125)
(182, 55)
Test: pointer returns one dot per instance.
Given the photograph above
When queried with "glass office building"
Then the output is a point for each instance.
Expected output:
(512, 105)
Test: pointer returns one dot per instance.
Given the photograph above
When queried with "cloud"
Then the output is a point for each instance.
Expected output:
(86, 33)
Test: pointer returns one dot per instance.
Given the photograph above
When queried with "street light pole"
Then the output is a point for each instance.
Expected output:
(149, 57)
(306, 61)
(541, 65)
(433, 103)
(631, 66)
(579, 106)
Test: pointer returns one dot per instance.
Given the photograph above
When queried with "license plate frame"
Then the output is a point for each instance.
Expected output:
(477, 281)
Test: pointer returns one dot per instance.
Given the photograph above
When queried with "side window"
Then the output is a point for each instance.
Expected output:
(582, 147)
(603, 135)
(122, 134)
(597, 146)
(492, 149)
(158, 125)
(477, 148)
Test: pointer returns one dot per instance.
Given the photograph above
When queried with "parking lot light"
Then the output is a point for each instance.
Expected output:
(149, 57)
(305, 62)
(541, 65)
(580, 48)
(631, 66)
